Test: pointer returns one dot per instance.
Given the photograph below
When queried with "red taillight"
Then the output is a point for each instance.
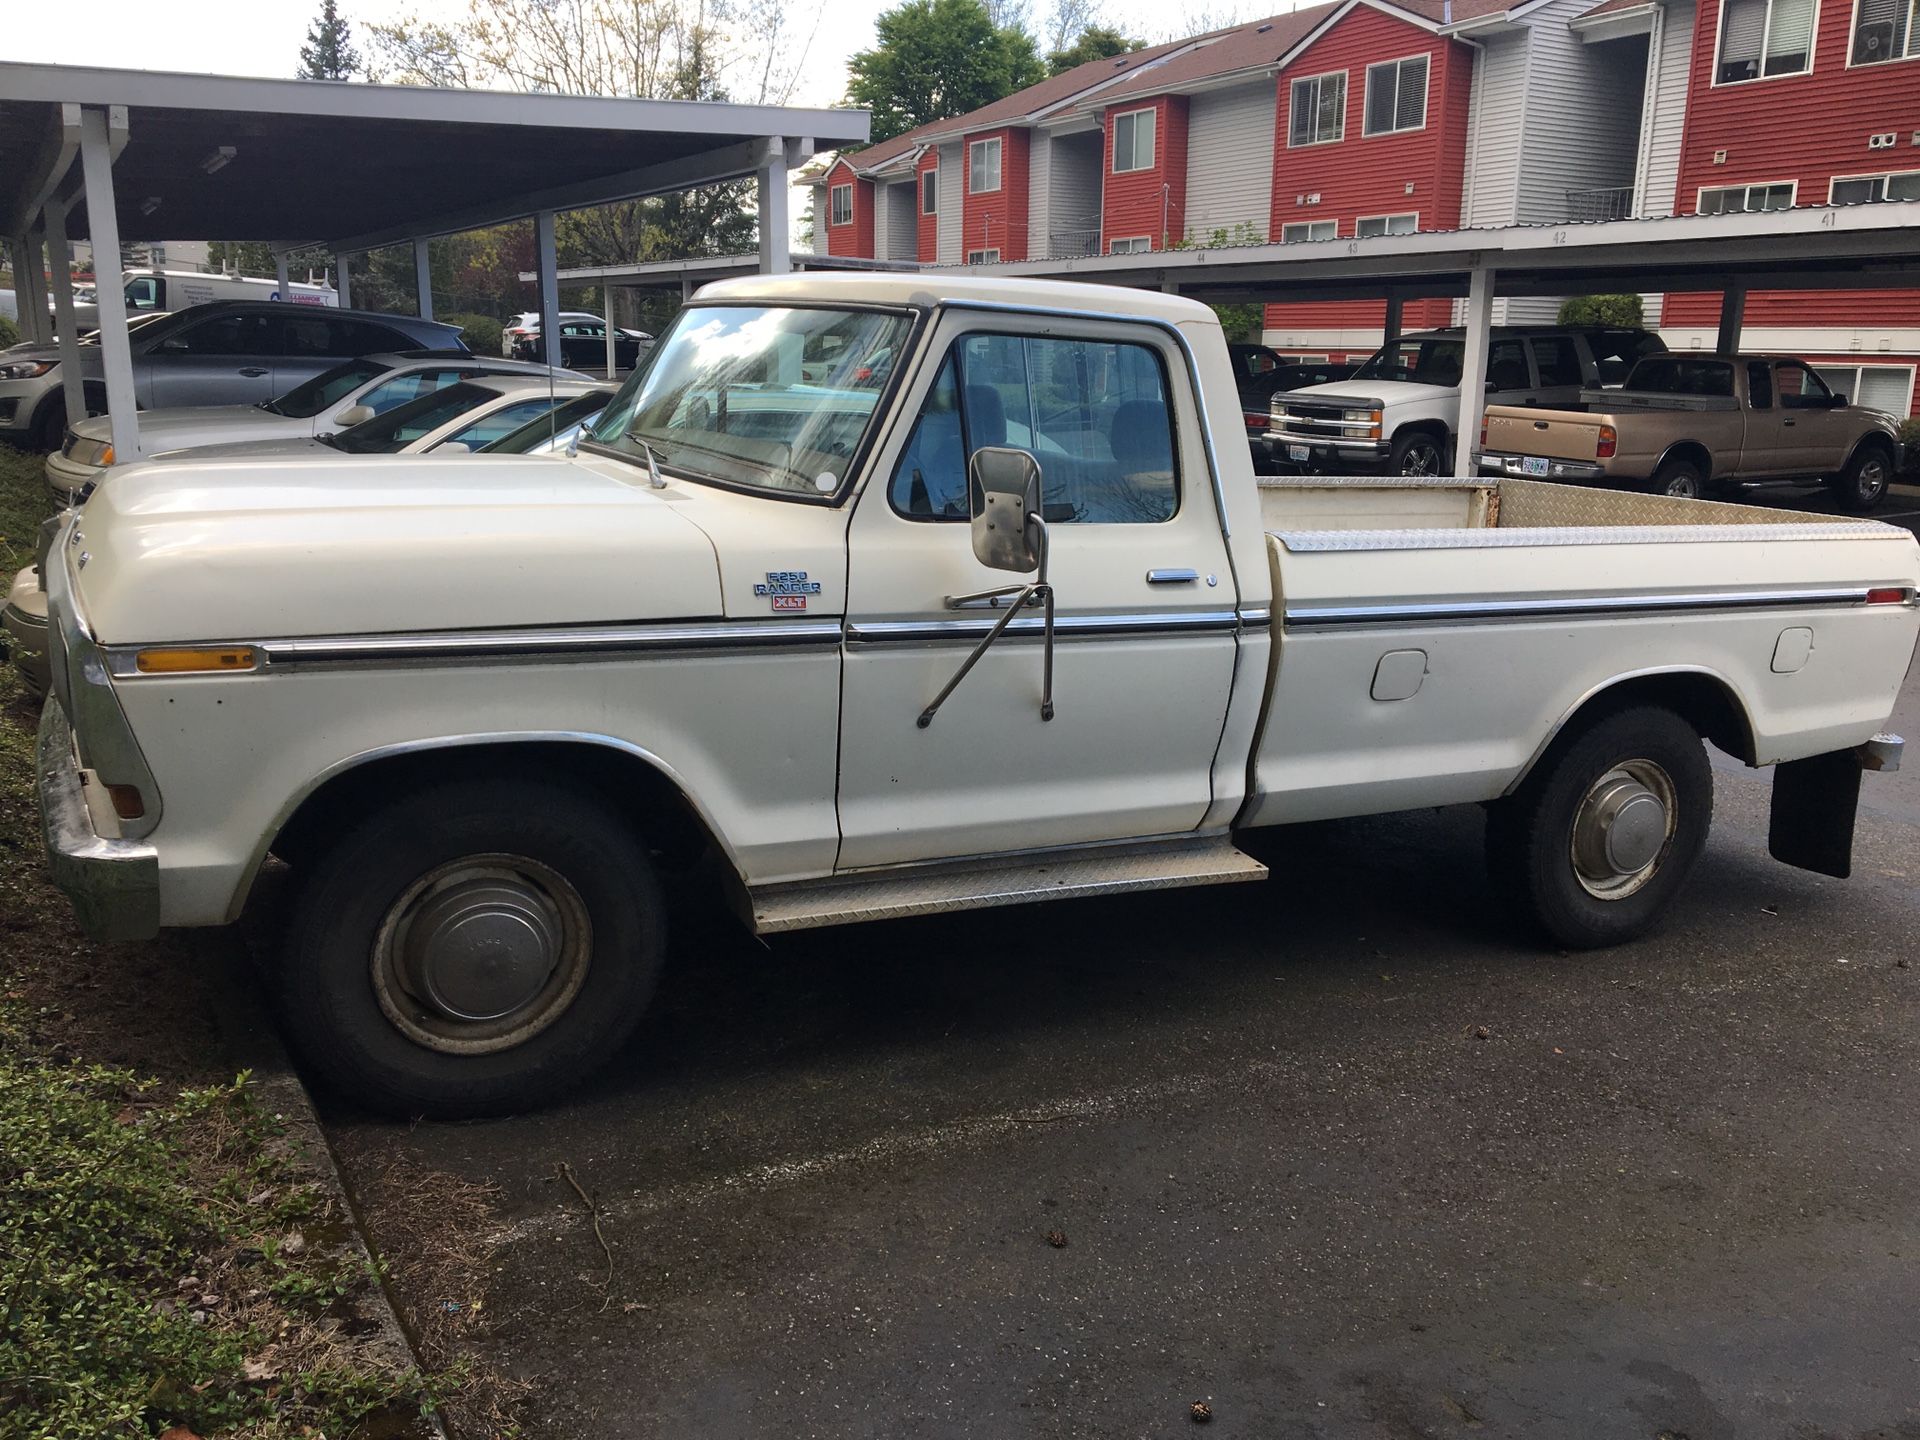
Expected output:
(1256, 419)
(1887, 595)
(1483, 432)
(1608, 443)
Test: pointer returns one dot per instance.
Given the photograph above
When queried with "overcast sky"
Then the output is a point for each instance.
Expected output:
(264, 36)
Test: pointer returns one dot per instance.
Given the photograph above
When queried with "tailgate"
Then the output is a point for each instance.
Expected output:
(1554, 434)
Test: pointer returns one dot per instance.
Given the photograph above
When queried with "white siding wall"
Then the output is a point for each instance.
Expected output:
(896, 235)
(952, 164)
(1039, 187)
(1583, 114)
(1230, 160)
(1496, 121)
(1073, 184)
(1667, 74)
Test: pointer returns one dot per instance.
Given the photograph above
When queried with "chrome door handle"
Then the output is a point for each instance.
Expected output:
(1172, 577)
(986, 602)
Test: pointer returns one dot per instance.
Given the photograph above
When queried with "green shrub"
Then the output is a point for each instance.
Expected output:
(9, 333)
(481, 332)
(1910, 446)
(1602, 310)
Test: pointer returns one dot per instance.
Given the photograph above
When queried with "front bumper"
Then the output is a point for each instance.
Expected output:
(1515, 467)
(1322, 450)
(24, 621)
(113, 884)
(68, 478)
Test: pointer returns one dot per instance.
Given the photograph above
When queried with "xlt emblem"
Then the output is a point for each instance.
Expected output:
(788, 589)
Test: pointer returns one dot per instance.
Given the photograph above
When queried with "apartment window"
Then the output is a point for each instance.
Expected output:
(929, 192)
(1888, 388)
(1309, 230)
(1386, 225)
(840, 205)
(1396, 96)
(1738, 199)
(1763, 38)
(1317, 113)
(1133, 141)
(983, 166)
(1884, 30)
(1873, 189)
(982, 257)
(1130, 245)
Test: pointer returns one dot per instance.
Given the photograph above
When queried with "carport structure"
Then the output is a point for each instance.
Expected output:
(1855, 247)
(127, 155)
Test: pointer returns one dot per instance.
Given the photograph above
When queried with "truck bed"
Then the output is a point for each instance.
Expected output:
(1429, 633)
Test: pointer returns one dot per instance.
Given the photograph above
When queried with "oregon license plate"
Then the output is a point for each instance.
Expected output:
(1533, 465)
(1299, 452)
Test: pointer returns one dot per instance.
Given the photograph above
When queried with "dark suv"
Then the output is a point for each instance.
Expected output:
(229, 352)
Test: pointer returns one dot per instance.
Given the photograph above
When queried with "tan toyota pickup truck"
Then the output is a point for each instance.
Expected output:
(1684, 424)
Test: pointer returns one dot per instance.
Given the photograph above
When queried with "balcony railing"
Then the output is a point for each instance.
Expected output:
(1612, 203)
(1072, 244)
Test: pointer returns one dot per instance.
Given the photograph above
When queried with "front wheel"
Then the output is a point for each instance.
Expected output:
(1599, 838)
(1863, 483)
(471, 948)
(1420, 455)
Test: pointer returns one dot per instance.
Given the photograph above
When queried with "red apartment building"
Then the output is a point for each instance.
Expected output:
(1353, 118)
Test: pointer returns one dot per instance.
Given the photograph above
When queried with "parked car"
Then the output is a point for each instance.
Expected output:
(469, 414)
(352, 391)
(522, 327)
(558, 429)
(231, 352)
(1689, 424)
(477, 704)
(1256, 402)
(148, 291)
(1398, 411)
(583, 345)
(30, 384)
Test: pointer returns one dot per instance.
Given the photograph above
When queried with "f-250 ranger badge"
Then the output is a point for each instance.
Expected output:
(789, 589)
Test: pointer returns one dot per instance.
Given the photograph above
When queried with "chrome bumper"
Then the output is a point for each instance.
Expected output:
(1881, 753)
(114, 885)
(1514, 466)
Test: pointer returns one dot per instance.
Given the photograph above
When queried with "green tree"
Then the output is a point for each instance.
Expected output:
(1096, 42)
(1602, 310)
(938, 58)
(328, 53)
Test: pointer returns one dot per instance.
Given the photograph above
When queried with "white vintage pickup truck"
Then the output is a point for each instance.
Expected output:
(893, 596)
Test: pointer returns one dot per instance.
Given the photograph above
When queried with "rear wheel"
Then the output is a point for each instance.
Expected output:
(471, 948)
(1681, 479)
(1419, 455)
(1863, 483)
(1600, 837)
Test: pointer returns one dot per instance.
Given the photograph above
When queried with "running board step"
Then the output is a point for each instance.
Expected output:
(1054, 875)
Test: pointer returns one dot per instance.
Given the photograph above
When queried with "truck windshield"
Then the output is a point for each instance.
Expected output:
(307, 400)
(1424, 362)
(759, 397)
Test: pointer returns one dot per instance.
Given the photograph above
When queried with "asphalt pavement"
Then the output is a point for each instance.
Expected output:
(1339, 1154)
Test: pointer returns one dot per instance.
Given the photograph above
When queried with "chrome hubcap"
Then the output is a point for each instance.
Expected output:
(1623, 828)
(481, 954)
(1685, 487)
(1871, 480)
(1421, 460)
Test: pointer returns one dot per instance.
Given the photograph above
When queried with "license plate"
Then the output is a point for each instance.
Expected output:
(1533, 465)
(1299, 452)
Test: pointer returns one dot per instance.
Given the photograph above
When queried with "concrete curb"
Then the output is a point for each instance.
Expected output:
(251, 1042)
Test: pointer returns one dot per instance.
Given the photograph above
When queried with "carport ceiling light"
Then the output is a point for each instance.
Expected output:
(218, 159)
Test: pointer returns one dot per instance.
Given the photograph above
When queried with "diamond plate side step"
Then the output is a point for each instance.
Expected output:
(1021, 880)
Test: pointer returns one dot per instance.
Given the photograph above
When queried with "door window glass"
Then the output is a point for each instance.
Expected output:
(1507, 366)
(1095, 414)
(241, 334)
(1760, 385)
(1800, 388)
(499, 423)
(410, 386)
(143, 293)
(1556, 359)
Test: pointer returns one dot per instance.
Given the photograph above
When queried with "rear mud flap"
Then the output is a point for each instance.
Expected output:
(1814, 805)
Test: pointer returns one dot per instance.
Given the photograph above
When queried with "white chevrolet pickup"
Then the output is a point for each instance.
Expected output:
(1006, 619)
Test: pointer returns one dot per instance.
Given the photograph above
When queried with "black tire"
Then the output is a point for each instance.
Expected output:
(343, 1006)
(1418, 453)
(1863, 483)
(50, 425)
(1681, 479)
(1532, 844)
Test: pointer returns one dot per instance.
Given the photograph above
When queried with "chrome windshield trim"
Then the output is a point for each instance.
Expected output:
(1572, 607)
(1180, 622)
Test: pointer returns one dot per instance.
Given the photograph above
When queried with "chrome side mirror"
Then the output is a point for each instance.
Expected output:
(1003, 496)
(354, 415)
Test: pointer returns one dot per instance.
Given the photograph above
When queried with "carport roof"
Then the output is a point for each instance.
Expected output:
(352, 165)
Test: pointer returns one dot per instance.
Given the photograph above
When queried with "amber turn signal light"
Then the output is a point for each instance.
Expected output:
(127, 803)
(196, 662)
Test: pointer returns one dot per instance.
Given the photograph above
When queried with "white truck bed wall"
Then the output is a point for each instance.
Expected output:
(1520, 602)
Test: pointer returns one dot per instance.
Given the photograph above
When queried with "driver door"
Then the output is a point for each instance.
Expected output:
(1145, 604)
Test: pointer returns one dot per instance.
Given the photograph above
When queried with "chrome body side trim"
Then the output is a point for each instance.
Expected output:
(920, 632)
(1451, 612)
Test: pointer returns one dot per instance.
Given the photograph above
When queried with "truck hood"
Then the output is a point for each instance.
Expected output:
(272, 445)
(381, 545)
(162, 430)
(1388, 392)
